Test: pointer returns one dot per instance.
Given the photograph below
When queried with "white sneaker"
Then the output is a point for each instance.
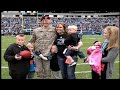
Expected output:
(43, 57)
(64, 51)
(73, 63)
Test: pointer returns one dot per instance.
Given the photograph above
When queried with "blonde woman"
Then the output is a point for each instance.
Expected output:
(110, 51)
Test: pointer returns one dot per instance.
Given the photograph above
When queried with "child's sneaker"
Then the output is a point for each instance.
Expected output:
(73, 63)
(64, 51)
(85, 59)
(40, 55)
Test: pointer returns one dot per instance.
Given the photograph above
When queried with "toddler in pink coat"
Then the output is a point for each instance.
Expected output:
(95, 56)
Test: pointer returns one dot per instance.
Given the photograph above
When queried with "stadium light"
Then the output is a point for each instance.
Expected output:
(28, 11)
(5, 11)
(34, 11)
(83, 16)
(89, 16)
(50, 15)
(22, 12)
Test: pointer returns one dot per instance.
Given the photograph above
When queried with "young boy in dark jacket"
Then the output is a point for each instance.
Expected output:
(18, 66)
(53, 61)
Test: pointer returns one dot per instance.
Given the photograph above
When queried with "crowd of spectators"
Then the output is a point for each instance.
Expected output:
(13, 25)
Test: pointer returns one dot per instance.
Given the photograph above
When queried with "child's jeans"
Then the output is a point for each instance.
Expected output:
(56, 74)
(80, 54)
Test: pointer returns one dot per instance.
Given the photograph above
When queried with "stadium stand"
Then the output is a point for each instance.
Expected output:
(12, 22)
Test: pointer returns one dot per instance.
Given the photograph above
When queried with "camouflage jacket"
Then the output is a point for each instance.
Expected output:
(43, 39)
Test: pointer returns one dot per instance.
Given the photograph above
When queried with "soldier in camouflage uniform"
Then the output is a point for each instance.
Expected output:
(43, 38)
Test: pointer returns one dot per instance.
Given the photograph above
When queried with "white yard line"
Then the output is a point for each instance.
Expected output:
(3, 49)
(83, 72)
(4, 67)
(87, 63)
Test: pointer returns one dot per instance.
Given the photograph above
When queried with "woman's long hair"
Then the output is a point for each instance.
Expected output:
(114, 37)
(64, 27)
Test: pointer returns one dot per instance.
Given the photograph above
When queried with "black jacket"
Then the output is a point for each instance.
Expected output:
(16, 67)
(54, 63)
(72, 39)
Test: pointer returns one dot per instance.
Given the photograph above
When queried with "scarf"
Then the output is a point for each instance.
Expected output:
(104, 45)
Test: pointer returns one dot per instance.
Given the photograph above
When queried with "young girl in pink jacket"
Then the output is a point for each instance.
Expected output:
(95, 56)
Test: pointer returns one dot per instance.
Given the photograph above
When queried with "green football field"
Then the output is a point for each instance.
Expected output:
(83, 70)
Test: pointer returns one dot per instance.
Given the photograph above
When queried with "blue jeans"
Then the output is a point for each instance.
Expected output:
(68, 72)
(69, 52)
(81, 54)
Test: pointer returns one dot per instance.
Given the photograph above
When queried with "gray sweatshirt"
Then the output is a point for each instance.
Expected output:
(110, 59)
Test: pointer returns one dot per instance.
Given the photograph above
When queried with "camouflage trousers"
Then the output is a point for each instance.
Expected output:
(42, 68)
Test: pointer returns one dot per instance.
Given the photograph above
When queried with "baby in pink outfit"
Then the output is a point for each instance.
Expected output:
(95, 56)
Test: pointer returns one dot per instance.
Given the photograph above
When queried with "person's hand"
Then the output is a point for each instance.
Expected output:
(32, 54)
(75, 48)
(69, 47)
(18, 57)
(38, 52)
